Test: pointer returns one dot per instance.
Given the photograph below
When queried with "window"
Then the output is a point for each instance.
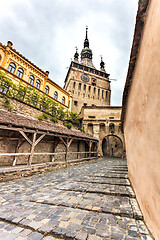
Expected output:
(20, 73)
(106, 95)
(38, 83)
(4, 87)
(46, 90)
(73, 91)
(21, 95)
(88, 96)
(63, 100)
(102, 93)
(89, 88)
(83, 94)
(12, 67)
(55, 95)
(31, 80)
(34, 101)
(102, 127)
(85, 104)
(84, 87)
(94, 82)
(78, 93)
(98, 93)
(75, 103)
(74, 84)
(94, 90)
(79, 87)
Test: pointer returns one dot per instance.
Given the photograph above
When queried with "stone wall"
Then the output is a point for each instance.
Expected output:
(7, 146)
(22, 108)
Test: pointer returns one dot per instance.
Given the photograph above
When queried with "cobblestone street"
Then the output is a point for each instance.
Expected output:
(90, 201)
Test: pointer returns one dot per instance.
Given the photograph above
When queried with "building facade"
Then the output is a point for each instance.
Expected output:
(87, 85)
(20, 70)
(91, 93)
(104, 123)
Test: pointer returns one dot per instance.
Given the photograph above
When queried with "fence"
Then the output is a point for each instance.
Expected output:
(88, 156)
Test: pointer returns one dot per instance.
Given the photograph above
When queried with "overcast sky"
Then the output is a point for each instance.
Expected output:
(47, 32)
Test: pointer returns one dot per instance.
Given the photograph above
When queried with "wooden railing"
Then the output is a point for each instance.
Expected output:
(88, 156)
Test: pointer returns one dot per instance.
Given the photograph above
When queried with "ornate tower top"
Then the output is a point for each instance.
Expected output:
(86, 53)
(86, 41)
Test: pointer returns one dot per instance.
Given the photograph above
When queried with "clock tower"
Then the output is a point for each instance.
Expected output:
(88, 86)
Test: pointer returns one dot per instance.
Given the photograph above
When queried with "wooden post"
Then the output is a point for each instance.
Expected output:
(55, 144)
(78, 148)
(32, 149)
(90, 147)
(19, 144)
(67, 145)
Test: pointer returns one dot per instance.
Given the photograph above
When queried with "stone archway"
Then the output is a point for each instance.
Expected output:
(112, 146)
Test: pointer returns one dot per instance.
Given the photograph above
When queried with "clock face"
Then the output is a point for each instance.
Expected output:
(85, 78)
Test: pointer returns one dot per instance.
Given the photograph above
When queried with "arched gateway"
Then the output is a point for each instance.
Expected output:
(112, 146)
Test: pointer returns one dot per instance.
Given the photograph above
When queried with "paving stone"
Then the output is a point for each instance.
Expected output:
(25, 232)
(35, 236)
(60, 231)
(81, 235)
(93, 237)
(93, 200)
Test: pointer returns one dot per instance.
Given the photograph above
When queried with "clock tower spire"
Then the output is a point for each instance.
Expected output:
(86, 53)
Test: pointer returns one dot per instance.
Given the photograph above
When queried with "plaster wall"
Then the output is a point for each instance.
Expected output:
(142, 122)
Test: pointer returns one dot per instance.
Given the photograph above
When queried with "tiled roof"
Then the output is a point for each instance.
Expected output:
(21, 121)
(140, 20)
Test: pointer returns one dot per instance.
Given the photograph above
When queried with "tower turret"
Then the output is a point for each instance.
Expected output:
(76, 55)
(102, 65)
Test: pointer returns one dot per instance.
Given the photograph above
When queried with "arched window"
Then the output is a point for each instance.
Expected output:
(55, 95)
(20, 73)
(38, 83)
(12, 67)
(46, 90)
(63, 100)
(31, 80)
(111, 128)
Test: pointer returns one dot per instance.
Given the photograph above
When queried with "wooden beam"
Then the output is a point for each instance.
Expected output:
(20, 142)
(40, 138)
(68, 143)
(18, 129)
(25, 136)
(32, 149)
(62, 140)
(55, 144)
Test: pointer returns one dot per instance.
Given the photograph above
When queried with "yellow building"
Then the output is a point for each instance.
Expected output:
(20, 70)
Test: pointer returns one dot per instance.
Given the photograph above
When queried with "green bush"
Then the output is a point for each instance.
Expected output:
(54, 119)
(43, 116)
(7, 104)
(69, 125)
(82, 129)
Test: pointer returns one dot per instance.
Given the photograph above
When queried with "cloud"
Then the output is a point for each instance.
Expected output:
(46, 32)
